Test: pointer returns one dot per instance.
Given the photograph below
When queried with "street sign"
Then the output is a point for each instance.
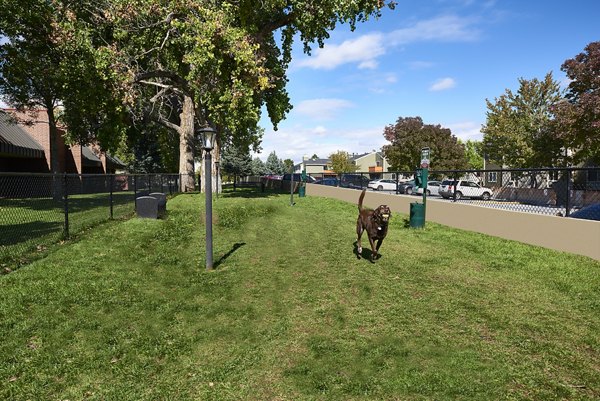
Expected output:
(425, 157)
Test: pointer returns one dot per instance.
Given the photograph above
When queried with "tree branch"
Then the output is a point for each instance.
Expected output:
(168, 124)
(180, 83)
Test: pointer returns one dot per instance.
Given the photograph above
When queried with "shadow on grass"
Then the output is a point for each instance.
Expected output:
(235, 247)
(12, 234)
(77, 202)
(250, 193)
(366, 252)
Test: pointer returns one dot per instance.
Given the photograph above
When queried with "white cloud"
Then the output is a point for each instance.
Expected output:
(466, 130)
(294, 142)
(322, 109)
(445, 28)
(442, 84)
(364, 50)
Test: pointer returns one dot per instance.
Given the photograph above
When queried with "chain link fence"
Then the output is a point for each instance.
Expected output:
(37, 210)
(552, 191)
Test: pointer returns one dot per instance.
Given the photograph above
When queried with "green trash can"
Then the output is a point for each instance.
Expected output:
(417, 215)
(302, 190)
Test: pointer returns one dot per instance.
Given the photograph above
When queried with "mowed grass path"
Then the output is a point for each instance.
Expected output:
(127, 312)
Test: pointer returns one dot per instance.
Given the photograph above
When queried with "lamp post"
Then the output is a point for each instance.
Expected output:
(208, 136)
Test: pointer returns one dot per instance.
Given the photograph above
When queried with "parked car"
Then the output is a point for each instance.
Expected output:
(380, 185)
(433, 188)
(591, 212)
(354, 181)
(406, 187)
(298, 177)
(334, 182)
(464, 189)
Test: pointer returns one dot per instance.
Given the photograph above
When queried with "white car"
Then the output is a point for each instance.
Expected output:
(433, 188)
(464, 189)
(382, 185)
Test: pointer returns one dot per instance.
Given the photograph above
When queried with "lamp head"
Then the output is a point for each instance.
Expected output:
(207, 135)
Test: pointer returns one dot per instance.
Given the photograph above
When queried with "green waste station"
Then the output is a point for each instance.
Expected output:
(417, 210)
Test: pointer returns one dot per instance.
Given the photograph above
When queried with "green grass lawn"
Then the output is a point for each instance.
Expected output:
(127, 312)
(28, 226)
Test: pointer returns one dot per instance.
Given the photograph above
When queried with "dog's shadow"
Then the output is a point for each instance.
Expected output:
(365, 254)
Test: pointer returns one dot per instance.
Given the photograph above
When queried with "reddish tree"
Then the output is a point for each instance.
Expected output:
(578, 118)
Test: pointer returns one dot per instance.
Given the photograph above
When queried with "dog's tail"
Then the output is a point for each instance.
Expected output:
(360, 200)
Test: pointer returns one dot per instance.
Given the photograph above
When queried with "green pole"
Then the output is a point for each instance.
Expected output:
(424, 175)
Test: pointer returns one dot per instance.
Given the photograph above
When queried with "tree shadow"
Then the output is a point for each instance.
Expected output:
(249, 193)
(12, 234)
(235, 247)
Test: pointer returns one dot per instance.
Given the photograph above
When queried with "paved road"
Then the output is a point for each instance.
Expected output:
(497, 204)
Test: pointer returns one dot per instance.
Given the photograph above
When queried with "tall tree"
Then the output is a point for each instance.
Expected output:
(258, 167)
(199, 62)
(578, 118)
(341, 163)
(274, 164)
(474, 154)
(518, 129)
(236, 162)
(288, 164)
(409, 135)
(31, 62)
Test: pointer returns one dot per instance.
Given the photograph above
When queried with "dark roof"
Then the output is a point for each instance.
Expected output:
(89, 157)
(115, 161)
(317, 162)
(15, 141)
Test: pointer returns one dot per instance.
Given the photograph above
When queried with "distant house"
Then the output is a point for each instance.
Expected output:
(373, 163)
(26, 148)
(315, 167)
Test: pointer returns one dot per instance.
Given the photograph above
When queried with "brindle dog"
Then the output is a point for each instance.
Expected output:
(375, 223)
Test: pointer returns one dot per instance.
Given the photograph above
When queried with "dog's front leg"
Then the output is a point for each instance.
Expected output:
(373, 250)
(379, 241)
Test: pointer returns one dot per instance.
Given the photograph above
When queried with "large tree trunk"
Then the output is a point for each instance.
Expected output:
(186, 136)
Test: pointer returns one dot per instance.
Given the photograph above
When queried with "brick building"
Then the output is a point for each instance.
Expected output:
(25, 147)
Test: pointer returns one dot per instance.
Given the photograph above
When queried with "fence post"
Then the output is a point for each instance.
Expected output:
(111, 184)
(134, 193)
(454, 187)
(568, 194)
(66, 205)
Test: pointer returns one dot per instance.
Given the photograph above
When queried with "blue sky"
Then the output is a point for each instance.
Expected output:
(437, 59)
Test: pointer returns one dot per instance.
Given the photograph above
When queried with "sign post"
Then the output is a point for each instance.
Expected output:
(425, 153)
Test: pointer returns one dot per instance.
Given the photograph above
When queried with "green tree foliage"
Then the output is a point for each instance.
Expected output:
(236, 162)
(32, 63)
(314, 157)
(274, 165)
(474, 154)
(197, 62)
(409, 135)
(288, 164)
(518, 130)
(578, 118)
(150, 149)
(258, 167)
(341, 163)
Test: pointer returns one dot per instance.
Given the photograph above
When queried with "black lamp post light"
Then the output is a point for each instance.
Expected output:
(208, 135)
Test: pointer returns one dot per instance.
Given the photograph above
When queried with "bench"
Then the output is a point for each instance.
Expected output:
(152, 206)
